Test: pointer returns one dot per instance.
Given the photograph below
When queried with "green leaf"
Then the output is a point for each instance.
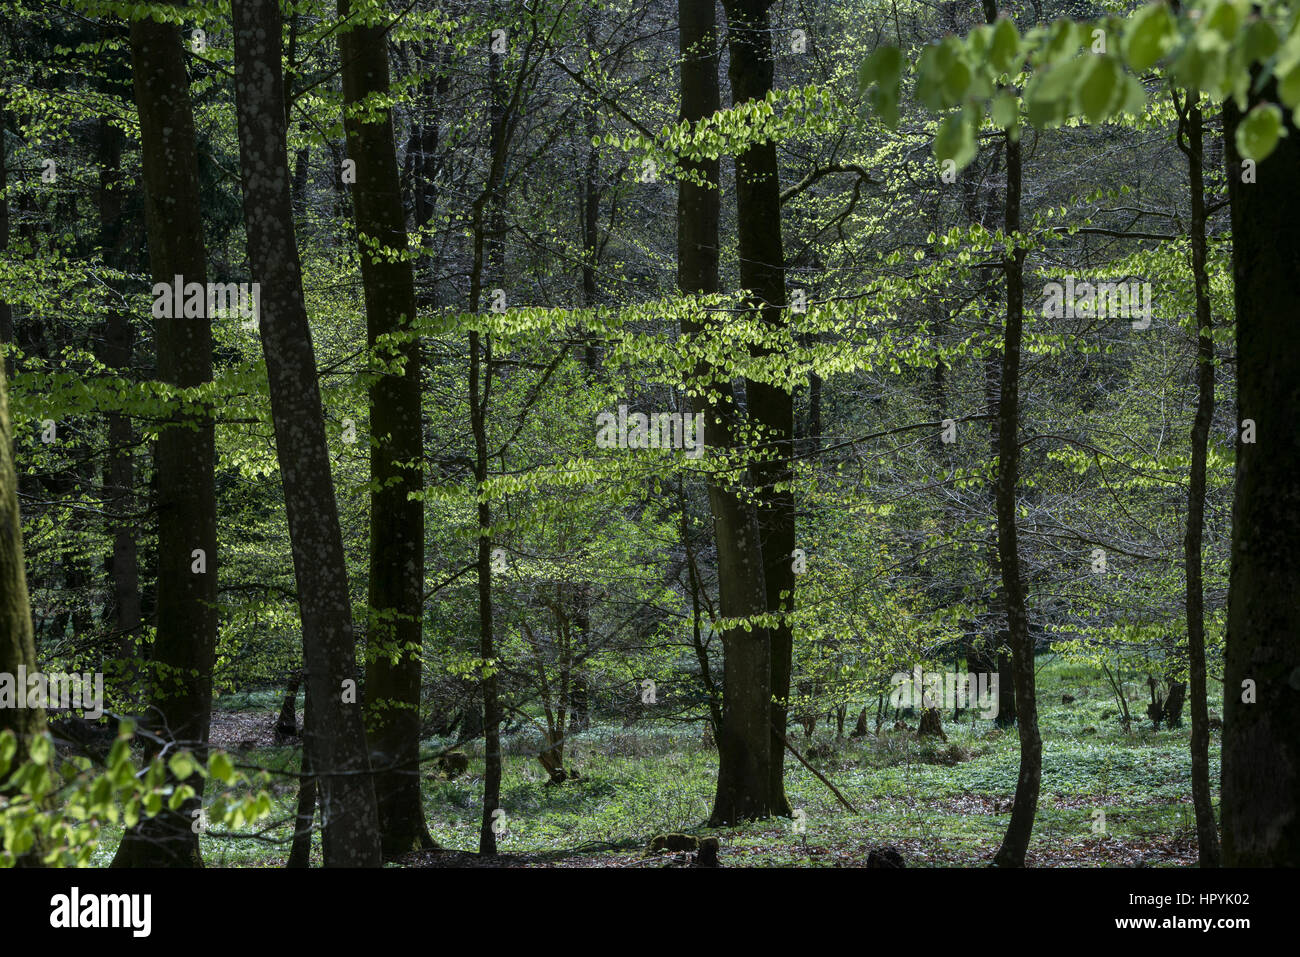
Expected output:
(1135, 97)
(219, 767)
(1006, 110)
(883, 66)
(182, 765)
(1063, 41)
(1258, 41)
(885, 104)
(955, 140)
(1150, 35)
(1101, 89)
(40, 750)
(1005, 45)
(8, 748)
(1222, 18)
(101, 795)
(1259, 132)
(1288, 86)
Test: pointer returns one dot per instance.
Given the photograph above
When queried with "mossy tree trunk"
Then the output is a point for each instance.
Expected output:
(17, 647)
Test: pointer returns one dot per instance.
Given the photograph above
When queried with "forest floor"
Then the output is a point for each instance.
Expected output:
(941, 804)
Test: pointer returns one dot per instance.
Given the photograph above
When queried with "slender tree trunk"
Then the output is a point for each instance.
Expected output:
(1025, 805)
(119, 467)
(1207, 833)
(393, 633)
(1260, 815)
(6, 311)
(185, 641)
(488, 247)
(336, 739)
(305, 814)
(771, 407)
(487, 646)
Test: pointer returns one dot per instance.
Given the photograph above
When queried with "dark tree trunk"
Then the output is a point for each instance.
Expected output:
(487, 248)
(1260, 815)
(185, 641)
(771, 407)
(993, 651)
(1016, 841)
(396, 597)
(6, 311)
(119, 466)
(1206, 830)
(305, 814)
(286, 725)
(336, 739)
(744, 737)
(487, 643)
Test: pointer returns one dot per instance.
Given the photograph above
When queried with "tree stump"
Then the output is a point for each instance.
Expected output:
(930, 724)
(860, 729)
(885, 857)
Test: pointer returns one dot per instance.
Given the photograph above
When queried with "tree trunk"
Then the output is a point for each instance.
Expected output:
(6, 311)
(1261, 740)
(336, 738)
(119, 466)
(305, 814)
(744, 737)
(286, 725)
(1025, 806)
(396, 596)
(185, 641)
(771, 407)
(17, 646)
(487, 643)
(487, 246)
(1207, 833)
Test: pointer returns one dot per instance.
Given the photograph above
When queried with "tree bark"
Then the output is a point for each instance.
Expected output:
(1206, 829)
(1260, 817)
(185, 642)
(6, 311)
(1016, 840)
(335, 739)
(119, 466)
(745, 737)
(771, 406)
(396, 595)
(17, 645)
(487, 246)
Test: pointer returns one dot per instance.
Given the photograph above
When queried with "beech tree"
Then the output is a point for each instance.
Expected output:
(1261, 738)
(335, 738)
(393, 633)
(180, 702)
